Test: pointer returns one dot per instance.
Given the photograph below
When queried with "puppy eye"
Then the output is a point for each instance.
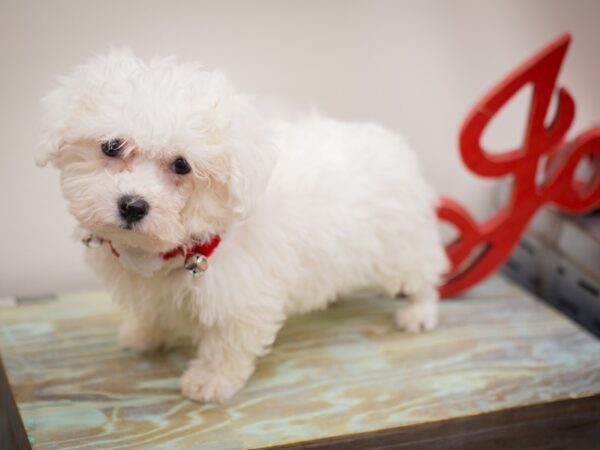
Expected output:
(112, 147)
(180, 166)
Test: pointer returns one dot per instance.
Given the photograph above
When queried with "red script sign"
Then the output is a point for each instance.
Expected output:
(481, 248)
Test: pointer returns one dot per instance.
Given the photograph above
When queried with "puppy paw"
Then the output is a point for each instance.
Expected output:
(139, 338)
(206, 385)
(416, 317)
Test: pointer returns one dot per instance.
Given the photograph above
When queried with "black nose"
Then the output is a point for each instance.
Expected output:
(133, 208)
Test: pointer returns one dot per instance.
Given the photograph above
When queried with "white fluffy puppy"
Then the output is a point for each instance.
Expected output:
(159, 160)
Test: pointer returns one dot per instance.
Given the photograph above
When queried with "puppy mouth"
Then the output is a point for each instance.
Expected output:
(130, 226)
(133, 235)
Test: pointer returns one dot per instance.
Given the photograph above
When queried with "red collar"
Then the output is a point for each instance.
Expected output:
(204, 249)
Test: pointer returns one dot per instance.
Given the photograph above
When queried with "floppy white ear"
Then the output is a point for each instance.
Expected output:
(251, 159)
(248, 150)
(56, 108)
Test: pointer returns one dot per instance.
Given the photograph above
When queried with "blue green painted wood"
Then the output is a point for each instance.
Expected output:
(345, 370)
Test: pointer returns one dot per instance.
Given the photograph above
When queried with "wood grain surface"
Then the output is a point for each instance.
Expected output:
(339, 372)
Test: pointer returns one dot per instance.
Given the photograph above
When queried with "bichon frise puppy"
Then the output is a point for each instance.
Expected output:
(167, 167)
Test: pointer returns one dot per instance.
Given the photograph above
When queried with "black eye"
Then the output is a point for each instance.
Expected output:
(112, 148)
(180, 166)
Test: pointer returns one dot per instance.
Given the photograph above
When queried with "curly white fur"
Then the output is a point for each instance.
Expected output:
(307, 211)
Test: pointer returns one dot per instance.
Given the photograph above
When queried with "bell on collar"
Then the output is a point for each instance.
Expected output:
(91, 241)
(196, 263)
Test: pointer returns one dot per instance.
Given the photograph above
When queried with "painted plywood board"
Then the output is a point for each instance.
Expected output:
(342, 371)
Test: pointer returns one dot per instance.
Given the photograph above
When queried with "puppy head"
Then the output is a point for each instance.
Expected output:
(154, 154)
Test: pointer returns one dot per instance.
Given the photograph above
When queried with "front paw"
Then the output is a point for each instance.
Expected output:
(203, 384)
(140, 338)
(419, 316)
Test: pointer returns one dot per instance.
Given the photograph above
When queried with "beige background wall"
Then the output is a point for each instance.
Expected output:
(415, 66)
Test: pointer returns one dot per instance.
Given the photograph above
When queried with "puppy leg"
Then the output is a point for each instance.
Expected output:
(226, 358)
(141, 335)
(421, 312)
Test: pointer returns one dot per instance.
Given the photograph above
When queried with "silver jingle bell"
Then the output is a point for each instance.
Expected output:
(91, 241)
(196, 264)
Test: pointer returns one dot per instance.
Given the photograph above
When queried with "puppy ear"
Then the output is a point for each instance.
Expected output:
(249, 173)
(247, 152)
(251, 159)
(55, 109)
